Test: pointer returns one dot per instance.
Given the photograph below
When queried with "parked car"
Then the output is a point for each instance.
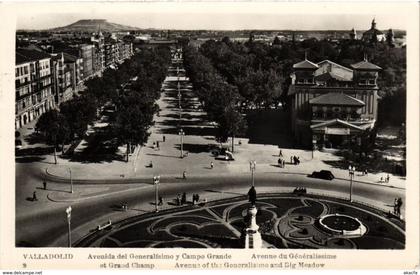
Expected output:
(18, 144)
(225, 156)
(323, 174)
(219, 151)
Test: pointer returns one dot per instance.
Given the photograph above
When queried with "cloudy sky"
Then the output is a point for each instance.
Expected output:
(207, 15)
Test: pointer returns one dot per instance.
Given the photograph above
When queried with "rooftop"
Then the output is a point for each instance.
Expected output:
(336, 99)
(365, 65)
(25, 55)
(305, 64)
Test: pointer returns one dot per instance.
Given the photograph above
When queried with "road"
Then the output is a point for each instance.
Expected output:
(45, 228)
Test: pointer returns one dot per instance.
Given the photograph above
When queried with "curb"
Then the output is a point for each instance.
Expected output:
(147, 180)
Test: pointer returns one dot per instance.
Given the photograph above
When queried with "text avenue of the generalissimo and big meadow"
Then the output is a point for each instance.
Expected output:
(214, 260)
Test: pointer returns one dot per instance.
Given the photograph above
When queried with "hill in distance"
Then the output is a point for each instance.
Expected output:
(93, 25)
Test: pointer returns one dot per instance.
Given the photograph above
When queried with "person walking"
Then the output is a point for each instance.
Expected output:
(280, 154)
(211, 165)
(184, 175)
(34, 198)
(184, 198)
(387, 178)
(157, 145)
(164, 139)
(45, 185)
(395, 206)
(399, 204)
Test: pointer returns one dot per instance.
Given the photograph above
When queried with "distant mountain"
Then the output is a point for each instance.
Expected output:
(93, 25)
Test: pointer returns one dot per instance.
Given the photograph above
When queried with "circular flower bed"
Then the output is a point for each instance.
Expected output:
(342, 225)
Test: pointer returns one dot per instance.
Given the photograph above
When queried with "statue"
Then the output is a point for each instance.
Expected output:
(252, 195)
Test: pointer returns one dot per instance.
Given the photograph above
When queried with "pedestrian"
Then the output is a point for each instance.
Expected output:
(45, 185)
(399, 204)
(366, 172)
(280, 154)
(178, 199)
(211, 165)
(395, 206)
(298, 160)
(160, 201)
(34, 198)
(184, 198)
(387, 178)
(184, 175)
(381, 180)
(154, 145)
(157, 144)
(164, 138)
(151, 164)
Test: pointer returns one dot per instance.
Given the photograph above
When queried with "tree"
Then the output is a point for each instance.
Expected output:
(54, 127)
(231, 125)
(78, 113)
(132, 121)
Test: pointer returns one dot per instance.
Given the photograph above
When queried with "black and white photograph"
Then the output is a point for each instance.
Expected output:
(212, 130)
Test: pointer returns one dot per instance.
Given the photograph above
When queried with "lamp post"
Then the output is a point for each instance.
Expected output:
(71, 181)
(156, 180)
(68, 211)
(352, 169)
(181, 134)
(252, 166)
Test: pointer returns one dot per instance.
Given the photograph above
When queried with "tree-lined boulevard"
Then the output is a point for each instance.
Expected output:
(146, 116)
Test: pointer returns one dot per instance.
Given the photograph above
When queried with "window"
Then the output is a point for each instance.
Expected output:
(371, 81)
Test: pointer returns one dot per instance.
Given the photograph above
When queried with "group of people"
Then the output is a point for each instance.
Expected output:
(180, 200)
(156, 145)
(385, 179)
(195, 198)
(299, 190)
(397, 206)
(282, 163)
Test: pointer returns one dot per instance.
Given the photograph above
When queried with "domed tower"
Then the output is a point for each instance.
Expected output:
(373, 25)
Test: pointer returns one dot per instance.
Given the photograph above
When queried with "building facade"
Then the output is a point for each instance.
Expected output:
(61, 78)
(332, 105)
(33, 82)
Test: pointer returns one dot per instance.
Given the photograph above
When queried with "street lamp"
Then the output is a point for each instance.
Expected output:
(156, 180)
(68, 211)
(71, 181)
(252, 166)
(181, 134)
(352, 169)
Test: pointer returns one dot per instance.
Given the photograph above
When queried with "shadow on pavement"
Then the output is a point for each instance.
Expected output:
(263, 128)
(194, 148)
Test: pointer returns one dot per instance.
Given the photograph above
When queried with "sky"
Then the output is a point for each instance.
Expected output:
(233, 16)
